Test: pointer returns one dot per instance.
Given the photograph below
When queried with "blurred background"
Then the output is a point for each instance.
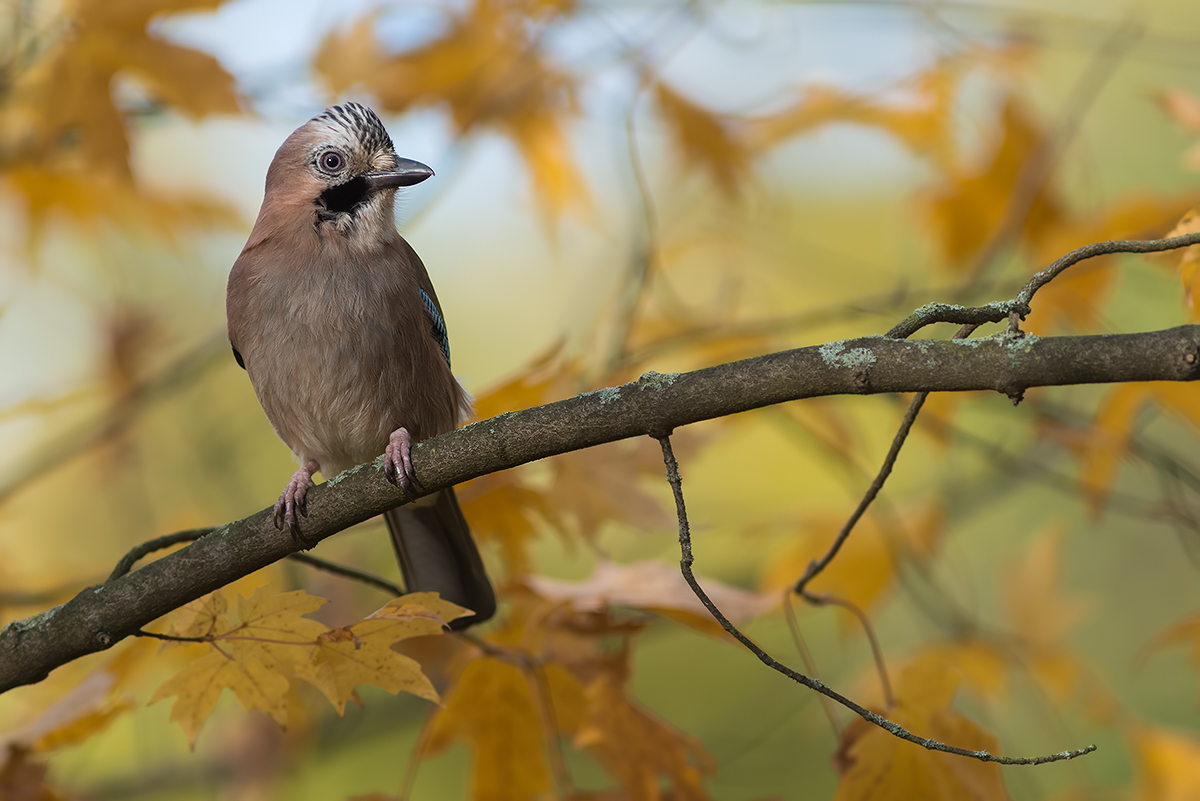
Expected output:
(626, 186)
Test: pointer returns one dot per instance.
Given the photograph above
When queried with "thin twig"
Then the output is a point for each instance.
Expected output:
(889, 462)
(1042, 162)
(876, 651)
(347, 572)
(810, 664)
(150, 546)
(817, 565)
(1025, 296)
(685, 566)
(190, 535)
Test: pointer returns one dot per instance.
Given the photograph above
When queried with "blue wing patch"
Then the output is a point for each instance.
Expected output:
(437, 324)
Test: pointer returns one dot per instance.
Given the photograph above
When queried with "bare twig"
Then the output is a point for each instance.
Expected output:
(191, 535)
(1025, 296)
(685, 566)
(810, 664)
(817, 565)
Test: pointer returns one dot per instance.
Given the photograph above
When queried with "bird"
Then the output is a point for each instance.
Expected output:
(334, 318)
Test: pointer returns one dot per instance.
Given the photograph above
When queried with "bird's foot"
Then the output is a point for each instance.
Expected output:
(397, 460)
(292, 501)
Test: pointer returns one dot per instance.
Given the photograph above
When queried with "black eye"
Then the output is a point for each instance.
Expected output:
(332, 161)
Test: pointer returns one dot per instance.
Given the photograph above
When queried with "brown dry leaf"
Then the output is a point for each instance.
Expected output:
(488, 71)
(1183, 107)
(965, 211)
(704, 139)
(492, 708)
(877, 766)
(1167, 763)
(24, 779)
(637, 748)
(655, 587)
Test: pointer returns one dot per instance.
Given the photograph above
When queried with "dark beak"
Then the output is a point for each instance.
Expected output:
(407, 173)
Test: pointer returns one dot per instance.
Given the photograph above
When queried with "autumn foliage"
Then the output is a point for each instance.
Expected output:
(620, 189)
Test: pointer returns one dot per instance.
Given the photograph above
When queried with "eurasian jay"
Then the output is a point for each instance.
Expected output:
(335, 320)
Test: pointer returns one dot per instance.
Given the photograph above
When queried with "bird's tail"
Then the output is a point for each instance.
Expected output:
(437, 553)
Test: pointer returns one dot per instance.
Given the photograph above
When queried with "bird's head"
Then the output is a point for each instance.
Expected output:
(341, 171)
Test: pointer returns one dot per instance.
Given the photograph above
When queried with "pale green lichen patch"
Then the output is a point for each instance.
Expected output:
(605, 395)
(836, 354)
(657, 381)
(33, 621)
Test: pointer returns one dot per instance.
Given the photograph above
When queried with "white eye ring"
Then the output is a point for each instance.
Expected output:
(331, 161)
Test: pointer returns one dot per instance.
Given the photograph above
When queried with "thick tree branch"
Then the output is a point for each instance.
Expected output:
(653, 405)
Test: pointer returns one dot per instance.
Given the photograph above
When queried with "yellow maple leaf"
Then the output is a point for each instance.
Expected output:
(704, 138)
(488, 71)
(1189, 262)
(969, 204)
(1042, 615)
(1103, 452)
(1167, 763)
(67, 141)
(865, 567)
(198, 686)
(362, 653)
(877, 766)
(636, 747)
(492, 707)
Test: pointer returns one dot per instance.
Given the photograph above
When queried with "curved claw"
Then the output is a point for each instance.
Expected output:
(397, 460)
(293, 500)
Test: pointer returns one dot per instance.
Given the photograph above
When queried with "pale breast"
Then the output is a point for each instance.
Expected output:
(343, 356)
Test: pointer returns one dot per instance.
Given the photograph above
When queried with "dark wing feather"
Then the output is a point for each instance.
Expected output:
(437, 324)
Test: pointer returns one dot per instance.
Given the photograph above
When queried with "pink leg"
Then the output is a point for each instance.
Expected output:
(397, 459)
(291, 500)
